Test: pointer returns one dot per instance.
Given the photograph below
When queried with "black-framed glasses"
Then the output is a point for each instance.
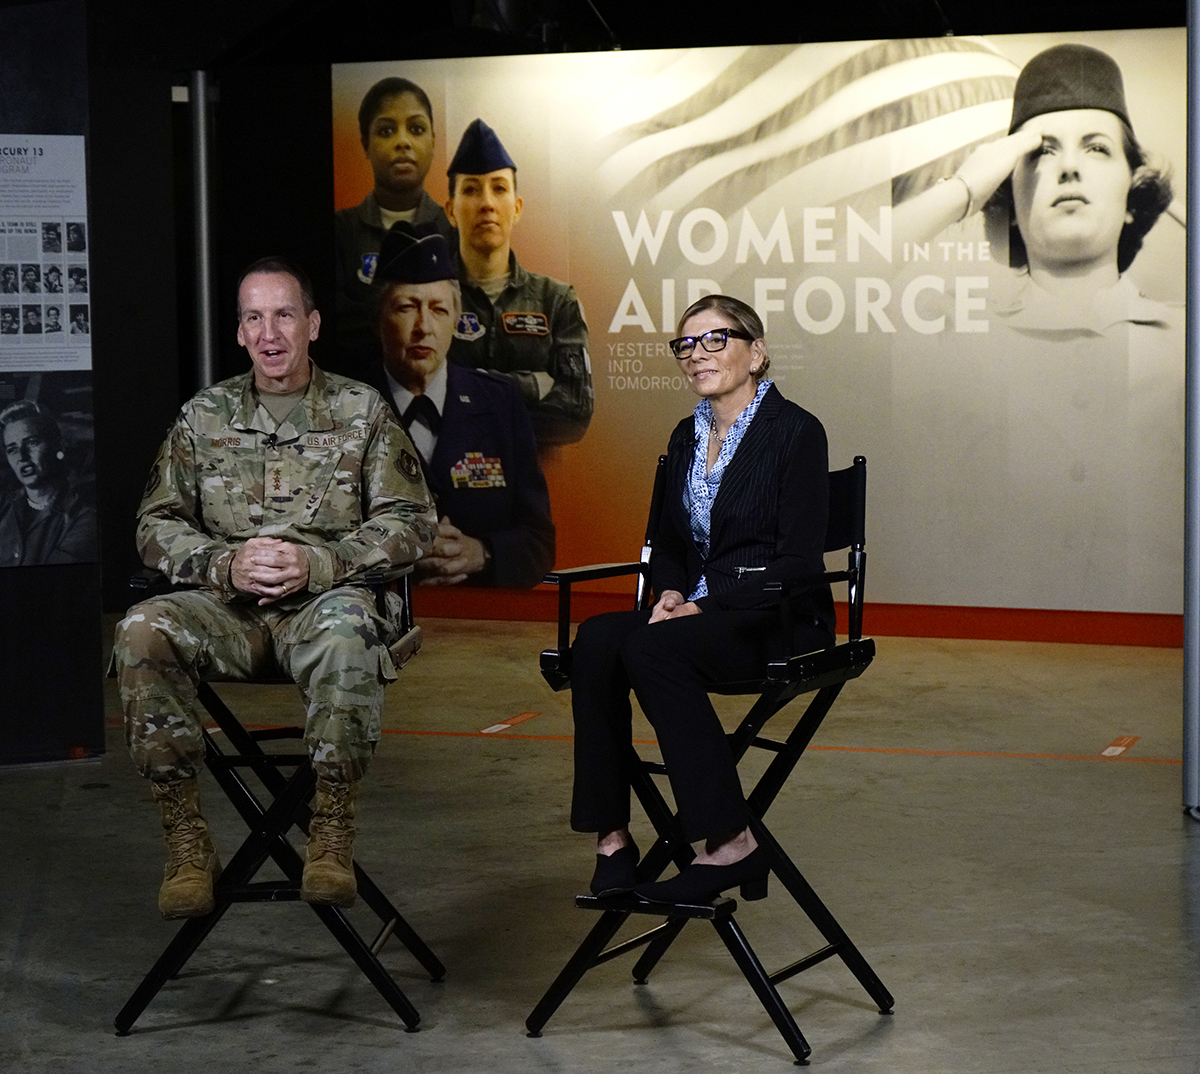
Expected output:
(713, 340)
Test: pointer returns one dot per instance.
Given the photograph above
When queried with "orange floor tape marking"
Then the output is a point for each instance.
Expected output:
(1118, 746)
(1124, 743)
(841, 749)
(520, 717)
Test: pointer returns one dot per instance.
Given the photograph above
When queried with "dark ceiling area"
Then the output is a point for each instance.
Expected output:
(223, 33)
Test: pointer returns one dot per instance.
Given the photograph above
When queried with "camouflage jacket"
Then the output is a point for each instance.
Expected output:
(339, 477)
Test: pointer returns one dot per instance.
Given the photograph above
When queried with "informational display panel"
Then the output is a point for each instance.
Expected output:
(1023, 429)
(45, 317)
(50, 649)
(48, 508)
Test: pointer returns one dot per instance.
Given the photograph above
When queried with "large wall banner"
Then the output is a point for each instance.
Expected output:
(995, 322)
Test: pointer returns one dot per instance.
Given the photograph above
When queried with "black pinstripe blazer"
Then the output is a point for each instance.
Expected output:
(768, 517)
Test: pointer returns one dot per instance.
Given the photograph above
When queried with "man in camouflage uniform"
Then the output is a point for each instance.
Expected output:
(273, 494)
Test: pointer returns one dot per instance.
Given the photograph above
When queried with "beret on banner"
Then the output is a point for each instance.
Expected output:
(479, 152)
(1068, 77)
(414, 253)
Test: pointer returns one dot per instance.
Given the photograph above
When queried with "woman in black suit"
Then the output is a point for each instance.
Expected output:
(747, 496)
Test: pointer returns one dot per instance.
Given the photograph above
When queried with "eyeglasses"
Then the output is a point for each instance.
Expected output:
(713, 340)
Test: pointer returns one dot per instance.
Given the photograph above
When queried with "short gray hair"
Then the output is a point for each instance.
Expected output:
(384, 289)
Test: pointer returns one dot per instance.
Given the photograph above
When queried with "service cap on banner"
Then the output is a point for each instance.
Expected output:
(479, 152)
(1068, 77)
(414, 253)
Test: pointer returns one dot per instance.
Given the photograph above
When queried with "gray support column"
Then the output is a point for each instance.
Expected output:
(1191, 555)
(206, 351)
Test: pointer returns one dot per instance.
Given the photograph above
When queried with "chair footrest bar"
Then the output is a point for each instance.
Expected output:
(805, 963)
(631, 904)
(268, 734)
(771, 745)
(382, 937)
(274, 760)
(632, 944)
(262, 891)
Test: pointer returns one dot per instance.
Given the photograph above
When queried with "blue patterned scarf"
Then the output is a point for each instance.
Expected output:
(702, 484)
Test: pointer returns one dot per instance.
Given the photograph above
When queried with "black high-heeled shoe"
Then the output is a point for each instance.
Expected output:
(703, 883)
(614, 873)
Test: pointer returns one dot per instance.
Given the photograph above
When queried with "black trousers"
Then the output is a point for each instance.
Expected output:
(667, 666)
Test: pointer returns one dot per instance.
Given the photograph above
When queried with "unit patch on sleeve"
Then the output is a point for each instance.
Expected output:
(366, 270)
(152, 482)
(406, 464)
(526, 324)
(474, 471)
(468, 327)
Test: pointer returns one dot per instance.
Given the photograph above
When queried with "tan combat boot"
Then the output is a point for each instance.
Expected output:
(192, 863)
(329, 870)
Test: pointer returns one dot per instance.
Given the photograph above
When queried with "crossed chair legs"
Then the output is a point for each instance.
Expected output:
(196, 887)
(193, 885)
(670, 845)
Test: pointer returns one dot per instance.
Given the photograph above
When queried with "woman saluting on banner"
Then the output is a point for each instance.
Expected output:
(1070, 177)
(1064, 413)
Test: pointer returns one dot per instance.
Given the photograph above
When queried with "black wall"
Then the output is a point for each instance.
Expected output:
(50, 704)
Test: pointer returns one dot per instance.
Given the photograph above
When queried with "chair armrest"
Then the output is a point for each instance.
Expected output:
(825, 667)
(382, 576)
(403, 650)
(806, 581)
(556, 663)
(383, 581)
(596, 570)
(782, 589)
(146, 582)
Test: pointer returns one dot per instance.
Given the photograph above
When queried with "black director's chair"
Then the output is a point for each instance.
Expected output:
(822, 674)
(269, 825)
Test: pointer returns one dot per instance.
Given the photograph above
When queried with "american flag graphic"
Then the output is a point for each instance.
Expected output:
(827, 121)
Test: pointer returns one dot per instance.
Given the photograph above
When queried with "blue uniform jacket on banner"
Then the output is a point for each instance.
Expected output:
(485, 476)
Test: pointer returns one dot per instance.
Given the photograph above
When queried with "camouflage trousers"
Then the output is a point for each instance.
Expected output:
(334, 646)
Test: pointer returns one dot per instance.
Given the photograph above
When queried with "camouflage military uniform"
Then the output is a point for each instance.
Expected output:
(339, 477)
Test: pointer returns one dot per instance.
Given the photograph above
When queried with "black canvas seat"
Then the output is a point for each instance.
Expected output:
(821, 674)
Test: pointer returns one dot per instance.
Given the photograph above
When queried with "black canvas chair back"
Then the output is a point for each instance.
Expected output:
(232, 753)
(822, 675)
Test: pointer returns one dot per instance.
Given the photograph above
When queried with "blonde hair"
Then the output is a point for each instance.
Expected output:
(744, 318)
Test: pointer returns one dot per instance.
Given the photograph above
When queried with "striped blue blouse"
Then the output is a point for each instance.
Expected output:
(702, 484)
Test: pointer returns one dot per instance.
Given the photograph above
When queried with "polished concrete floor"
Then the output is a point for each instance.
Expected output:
(1033, 905)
